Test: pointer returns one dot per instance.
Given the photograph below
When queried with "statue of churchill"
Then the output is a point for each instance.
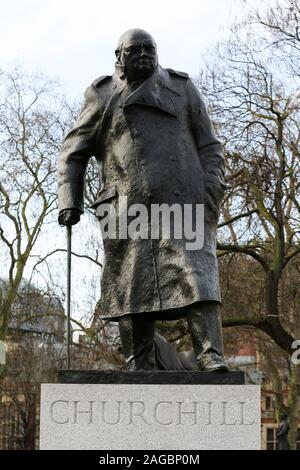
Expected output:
(154, 142)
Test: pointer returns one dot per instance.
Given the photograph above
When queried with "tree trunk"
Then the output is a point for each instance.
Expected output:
(30, 431)
(271, 294)
(294, 404)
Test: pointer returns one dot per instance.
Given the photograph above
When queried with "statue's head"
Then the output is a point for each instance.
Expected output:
(137, 53)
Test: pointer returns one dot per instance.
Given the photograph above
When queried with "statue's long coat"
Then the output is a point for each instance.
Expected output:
(154, 144)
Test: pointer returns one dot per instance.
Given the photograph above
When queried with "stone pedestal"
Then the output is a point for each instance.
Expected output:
(161, 410)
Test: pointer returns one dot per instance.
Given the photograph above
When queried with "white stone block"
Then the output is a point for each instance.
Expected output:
(157, 417)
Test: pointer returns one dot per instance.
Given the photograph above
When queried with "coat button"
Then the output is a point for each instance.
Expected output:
(176, 192)
(172, 157)
(149, 195)
(135, 132)
(142, 162)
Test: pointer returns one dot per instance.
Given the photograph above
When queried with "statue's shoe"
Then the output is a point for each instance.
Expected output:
(212, 362)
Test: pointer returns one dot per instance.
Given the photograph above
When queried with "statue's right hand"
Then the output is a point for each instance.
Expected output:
(69, 217)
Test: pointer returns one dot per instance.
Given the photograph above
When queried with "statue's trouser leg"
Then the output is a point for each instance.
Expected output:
(137, 337)
(204, 321)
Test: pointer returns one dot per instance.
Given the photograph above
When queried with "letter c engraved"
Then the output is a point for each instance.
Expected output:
(52, 412)
(156, 412)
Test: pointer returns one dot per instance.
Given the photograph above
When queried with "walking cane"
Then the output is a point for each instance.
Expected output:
(69, 248)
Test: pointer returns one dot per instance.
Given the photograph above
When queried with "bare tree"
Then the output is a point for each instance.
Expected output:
(258, 120)
(277, 28)
(34, 116)
(32, 359)
(256, 108)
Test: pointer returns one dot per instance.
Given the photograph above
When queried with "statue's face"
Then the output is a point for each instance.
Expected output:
(139, 56)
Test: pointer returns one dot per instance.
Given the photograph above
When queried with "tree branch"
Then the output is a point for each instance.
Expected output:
(62, 250)
(270, 325)
(246, 250)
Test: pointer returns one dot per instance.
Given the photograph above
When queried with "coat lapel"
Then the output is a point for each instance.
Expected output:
(155, 92)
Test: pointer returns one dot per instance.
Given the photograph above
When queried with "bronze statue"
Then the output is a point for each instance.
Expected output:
(282, 432)
(151, 135)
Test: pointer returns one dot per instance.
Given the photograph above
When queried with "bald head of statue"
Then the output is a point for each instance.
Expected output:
(137, 53)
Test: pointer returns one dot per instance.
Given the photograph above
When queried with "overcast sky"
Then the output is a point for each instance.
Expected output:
(75, 39)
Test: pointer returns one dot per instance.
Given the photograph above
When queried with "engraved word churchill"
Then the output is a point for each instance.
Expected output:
(150, 416)
(162, 412)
